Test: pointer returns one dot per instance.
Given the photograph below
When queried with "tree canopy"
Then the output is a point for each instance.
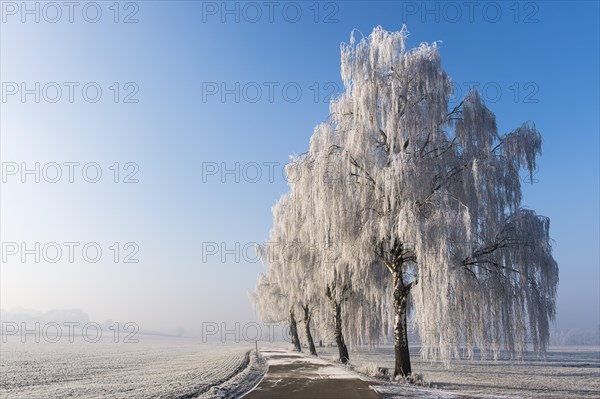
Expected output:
(409, 208)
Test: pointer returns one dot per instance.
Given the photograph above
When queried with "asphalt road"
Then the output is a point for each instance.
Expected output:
(294, 376)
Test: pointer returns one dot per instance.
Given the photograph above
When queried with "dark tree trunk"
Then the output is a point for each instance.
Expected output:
(337, 319)
(402, 355)
(307, 318)
(294, 332)
(339, 335)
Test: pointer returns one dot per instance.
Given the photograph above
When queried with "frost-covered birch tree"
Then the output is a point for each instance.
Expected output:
(434, 193)
(422, 203)
(274, 307)
(304, 262)
(350, 287)
(287, 246)
(291, 266)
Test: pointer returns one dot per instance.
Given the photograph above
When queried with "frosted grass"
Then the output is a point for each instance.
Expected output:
(153, 368)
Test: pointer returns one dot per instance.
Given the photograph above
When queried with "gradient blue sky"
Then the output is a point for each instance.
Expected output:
(547, 51)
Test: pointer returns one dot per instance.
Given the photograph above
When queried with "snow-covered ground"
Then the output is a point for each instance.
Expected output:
(152, 368)
(183, 368)
(567, 372)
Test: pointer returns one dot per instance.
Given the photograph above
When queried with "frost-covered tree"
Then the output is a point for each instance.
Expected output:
(301, 265)
(316, 255)
(305, 265)
(291, 266)
(421, 202)
(434, 194)
(274, 307)
(350, 288)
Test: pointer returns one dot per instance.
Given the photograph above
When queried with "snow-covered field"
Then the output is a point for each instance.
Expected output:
(183, 368)
(568, 372)
(152, 368)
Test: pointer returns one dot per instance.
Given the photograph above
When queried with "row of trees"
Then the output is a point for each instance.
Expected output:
(408, 209)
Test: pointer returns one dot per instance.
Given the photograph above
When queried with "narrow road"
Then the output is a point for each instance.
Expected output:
(294, 376)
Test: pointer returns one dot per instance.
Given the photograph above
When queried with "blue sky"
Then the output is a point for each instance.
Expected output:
(534, 61)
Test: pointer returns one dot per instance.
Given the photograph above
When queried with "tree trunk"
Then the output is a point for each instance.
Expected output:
(294, 332)
(311, 343)
(339, 335)
(337, 319)
(402, 355)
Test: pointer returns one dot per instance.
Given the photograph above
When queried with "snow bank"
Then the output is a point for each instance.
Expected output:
(241, 383)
